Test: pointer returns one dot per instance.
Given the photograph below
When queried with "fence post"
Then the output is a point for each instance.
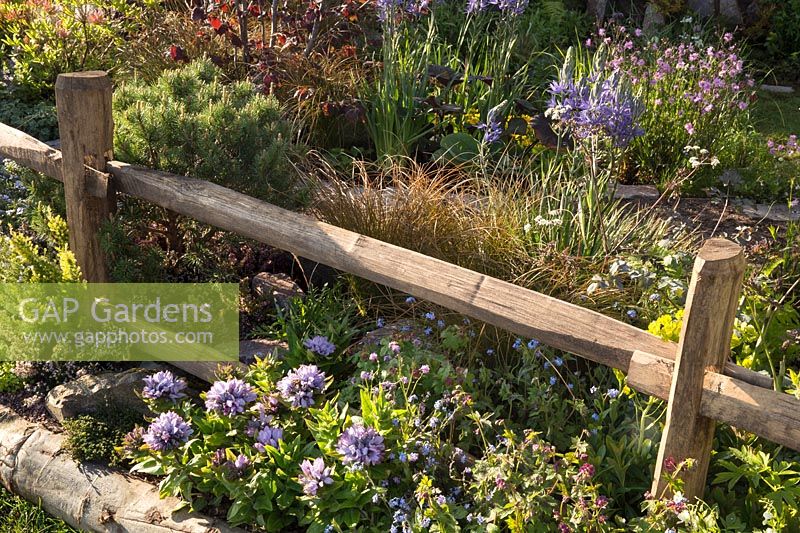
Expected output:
(704, 346)
(83, 102)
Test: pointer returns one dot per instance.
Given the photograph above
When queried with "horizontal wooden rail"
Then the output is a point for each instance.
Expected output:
(740, 397)
(770, 414)
(563, 325)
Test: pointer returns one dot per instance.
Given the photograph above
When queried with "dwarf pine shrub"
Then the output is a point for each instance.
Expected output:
(190, 122)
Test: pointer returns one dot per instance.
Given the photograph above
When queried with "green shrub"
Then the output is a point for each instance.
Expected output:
(9, 381)
(92, 437)
(38, 119)
(190, 122)
(44, 39)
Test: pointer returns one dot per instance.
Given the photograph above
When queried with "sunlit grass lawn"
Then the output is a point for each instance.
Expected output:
(20, 516)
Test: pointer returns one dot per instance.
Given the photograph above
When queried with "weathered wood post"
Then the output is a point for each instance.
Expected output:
(704, 346)
(83, 102)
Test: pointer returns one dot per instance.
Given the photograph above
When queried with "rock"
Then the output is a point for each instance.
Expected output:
(729, 11)
(777, 89)
(88, 393)
(637, 192)
(772, 212)
(597, 9)
(250, 349)
(653, 19)
(279, 288)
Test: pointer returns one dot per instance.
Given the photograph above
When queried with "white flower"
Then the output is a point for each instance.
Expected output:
(684, 516)
(526, 228)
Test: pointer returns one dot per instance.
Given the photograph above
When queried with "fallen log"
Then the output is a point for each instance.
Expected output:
(34, 465)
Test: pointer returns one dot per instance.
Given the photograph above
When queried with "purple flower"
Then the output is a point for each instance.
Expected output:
(269, 436)
(393, 346)
(167, 432)
(320, 345)
(263, 416)
(238, 466)
(299, 385)
(163, 385)
(613, 393)
(314, 476)
(513, 7)
(596, 105)
(493, 128)
(361, 445)
(689, 127)
(425, 369)
(230, 397)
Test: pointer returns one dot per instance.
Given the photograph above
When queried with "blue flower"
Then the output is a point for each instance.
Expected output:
(268, 436)
(163, 385)
(490, 351)
(360, 445)
(430, 315)
(428, 330)
(320, 345)
(533, 344)
(229, 397)
(411, 300)
(167, 432)
(517, 344)
(632, 314)
(299, 385)
(654, 297)
(558, 361)
(440, 324)
(380, 323)
(595, 417)
(553, 380)
(612, 393)
(596, 105)
(314, 475)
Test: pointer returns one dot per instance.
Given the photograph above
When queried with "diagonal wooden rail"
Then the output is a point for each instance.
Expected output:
(704, 383)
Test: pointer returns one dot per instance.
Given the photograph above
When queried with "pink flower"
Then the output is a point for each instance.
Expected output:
(689, 128)
(742, 105)
(728, 37)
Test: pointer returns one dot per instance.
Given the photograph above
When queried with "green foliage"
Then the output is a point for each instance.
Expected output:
(760, 487)
(9, 381)
(190, 122)
(37, 119)
(93, 437)
(20, 516)
(44, 39)
(24, 261)
(325, 311)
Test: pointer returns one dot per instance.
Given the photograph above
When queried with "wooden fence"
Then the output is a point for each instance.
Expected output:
(694, 376)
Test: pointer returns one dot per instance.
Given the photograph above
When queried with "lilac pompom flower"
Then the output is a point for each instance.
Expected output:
(163, 386)
(320, 345)
(361, 445)
(299, 385)
(230, 397)
(167, 432)
(314, 476)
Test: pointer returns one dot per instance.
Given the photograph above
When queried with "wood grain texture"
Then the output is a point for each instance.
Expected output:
(704, 346)
(765, 412)
(33, 153)
(30, 152)
(83, 103)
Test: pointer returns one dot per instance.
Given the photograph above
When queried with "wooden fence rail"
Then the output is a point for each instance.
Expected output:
(694, 376)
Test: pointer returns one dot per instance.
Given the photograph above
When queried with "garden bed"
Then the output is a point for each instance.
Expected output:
(524, 141)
